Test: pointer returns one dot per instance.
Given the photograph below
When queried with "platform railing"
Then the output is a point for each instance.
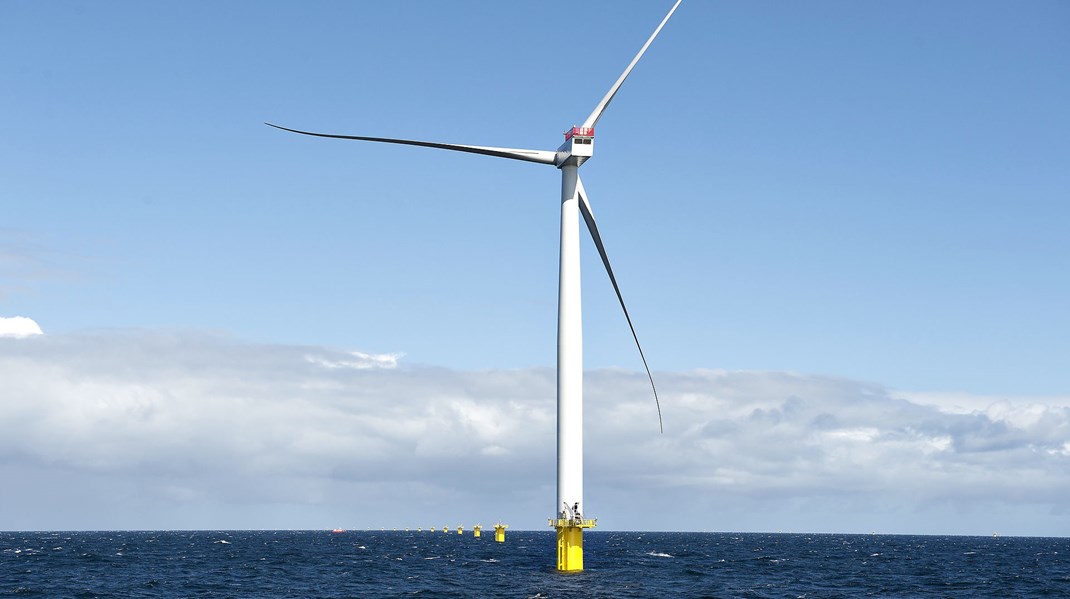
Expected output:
(573, 522)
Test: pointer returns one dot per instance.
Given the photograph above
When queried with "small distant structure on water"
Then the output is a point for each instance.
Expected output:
(477, 530)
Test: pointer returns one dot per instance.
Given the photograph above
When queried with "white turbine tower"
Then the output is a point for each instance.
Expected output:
(578, 147)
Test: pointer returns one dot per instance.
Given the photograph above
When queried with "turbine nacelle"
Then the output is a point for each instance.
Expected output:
(578, 147)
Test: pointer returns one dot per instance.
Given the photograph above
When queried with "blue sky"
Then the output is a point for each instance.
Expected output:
(874, 194)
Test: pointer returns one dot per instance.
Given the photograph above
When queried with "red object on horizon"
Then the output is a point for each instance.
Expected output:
(581, 131)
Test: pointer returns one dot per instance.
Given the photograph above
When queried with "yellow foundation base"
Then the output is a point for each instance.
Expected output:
(570, 543)
(569, 549)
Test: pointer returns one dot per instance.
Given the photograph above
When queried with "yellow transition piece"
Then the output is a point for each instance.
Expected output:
(570, 543)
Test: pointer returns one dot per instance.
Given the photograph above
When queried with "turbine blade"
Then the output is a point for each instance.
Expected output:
(540, 156)
(588, 216)
(598, 110)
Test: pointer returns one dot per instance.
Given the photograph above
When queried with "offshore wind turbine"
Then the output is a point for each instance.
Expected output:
(569, 520)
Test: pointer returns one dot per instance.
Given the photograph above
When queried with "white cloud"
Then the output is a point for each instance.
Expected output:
(357, 360)
(161, 430)
(18, 327)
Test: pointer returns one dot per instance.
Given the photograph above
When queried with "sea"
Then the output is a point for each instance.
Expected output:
(437, 564)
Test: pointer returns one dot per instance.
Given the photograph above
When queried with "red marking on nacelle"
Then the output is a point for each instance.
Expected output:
(581, 131)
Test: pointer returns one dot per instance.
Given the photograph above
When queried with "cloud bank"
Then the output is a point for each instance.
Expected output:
(186, 430)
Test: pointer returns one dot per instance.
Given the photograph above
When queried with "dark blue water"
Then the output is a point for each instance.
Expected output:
(619, 564)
